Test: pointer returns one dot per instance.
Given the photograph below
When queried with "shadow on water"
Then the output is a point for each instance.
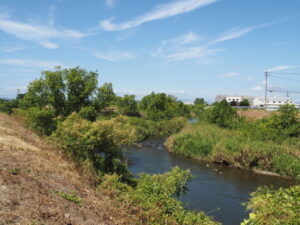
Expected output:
(216, 189)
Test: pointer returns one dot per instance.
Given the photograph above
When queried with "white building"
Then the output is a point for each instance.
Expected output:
(273, 103)
(233, 99)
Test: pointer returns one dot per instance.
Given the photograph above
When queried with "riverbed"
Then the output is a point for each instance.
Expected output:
(218, 190)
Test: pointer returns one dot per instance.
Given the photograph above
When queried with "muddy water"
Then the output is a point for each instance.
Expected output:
(216, 189)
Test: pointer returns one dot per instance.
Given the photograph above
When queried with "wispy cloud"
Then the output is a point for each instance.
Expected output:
(11, 49)
(159, 12)
(234, 74)
(43, 35)
(113, 56)
(278, 68)
(257, 88)
(183, 47)
(30, 63)
(237, 33)
(110, 3)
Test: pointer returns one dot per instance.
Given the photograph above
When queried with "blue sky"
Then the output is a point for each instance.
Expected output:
(188, 48)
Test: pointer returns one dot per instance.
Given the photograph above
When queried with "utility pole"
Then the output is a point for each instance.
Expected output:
(266, 88)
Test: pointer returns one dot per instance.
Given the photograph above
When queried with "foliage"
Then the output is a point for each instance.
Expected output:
(72, 197)
(7, 106)
(97, 143)
(245, 102)
(147, 128)
(199, 101)
(162, 106)
(237, 147)
(88, 113)
(41, 120)
(127, 105)
(287, 121)
(269, 206)
(66, 90)
(155, 195)
(223, 115)
(105, 96)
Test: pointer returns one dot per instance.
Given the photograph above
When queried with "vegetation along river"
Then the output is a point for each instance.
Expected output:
(218, 190)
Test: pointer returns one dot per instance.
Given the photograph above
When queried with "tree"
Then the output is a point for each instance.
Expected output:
(64, 90)
(233, 103)
(199, 101)
(80, 87)
(245, 102)
(223, 114)
(162, 106)
(105, 96)
(287, 121)
(128, 106)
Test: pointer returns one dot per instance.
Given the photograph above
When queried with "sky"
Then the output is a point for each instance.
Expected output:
(186, 48)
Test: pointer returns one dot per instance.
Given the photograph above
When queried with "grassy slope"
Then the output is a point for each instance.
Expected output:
(209, 142)
(31, 177)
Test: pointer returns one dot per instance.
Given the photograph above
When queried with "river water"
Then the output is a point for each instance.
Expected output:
(215, 189)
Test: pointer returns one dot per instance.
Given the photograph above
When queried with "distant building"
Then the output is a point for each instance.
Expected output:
(273, 103)
(234, 98)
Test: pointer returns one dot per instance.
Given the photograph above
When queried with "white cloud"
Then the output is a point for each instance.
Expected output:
(234, 74)
(257, 88)
(183, 39)
(160, 12)
(278, 68)
(236, 33)
(110, 3)
(11, 49)
(113, 55)
(38, 33)
(30, 63)
(183, 47)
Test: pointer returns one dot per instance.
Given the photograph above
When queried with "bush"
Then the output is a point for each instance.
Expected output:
(41, 120)
(88, 113)
(7, 106)
(154, 194)
(96, 143)
(286, 122)
(274, 207)
(223, 115)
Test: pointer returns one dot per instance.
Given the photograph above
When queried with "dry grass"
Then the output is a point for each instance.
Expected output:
(256, 114)
(31, 176)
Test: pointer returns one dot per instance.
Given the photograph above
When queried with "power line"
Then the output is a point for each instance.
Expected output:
(285, 73)
(283, 78)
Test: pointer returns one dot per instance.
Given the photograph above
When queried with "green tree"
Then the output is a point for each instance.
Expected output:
(128, 105)
(56, 90)
(223, 114)
(80, 87)
(287, 121)
(162, 106)
(105, 96)
(199, 101)
(245, 102)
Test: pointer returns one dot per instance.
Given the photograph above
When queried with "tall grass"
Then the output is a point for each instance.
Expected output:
(238, 148)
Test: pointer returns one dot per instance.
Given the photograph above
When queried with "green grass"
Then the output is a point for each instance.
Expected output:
(72, 197)
(241, 148)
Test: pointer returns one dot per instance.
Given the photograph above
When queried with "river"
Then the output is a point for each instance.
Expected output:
(218, 190)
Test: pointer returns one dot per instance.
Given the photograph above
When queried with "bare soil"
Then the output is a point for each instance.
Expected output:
(32, 176)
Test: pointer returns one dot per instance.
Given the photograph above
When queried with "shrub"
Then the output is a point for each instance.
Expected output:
(96, 143)
(223, 115)
(274, 207)
(41, 120)
(154, 194)
(88, 113)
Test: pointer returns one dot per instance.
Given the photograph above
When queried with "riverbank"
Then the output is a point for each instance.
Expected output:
(237, 148)
(38, 185)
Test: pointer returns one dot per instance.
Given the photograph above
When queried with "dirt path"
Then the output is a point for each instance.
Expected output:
(38, 186)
